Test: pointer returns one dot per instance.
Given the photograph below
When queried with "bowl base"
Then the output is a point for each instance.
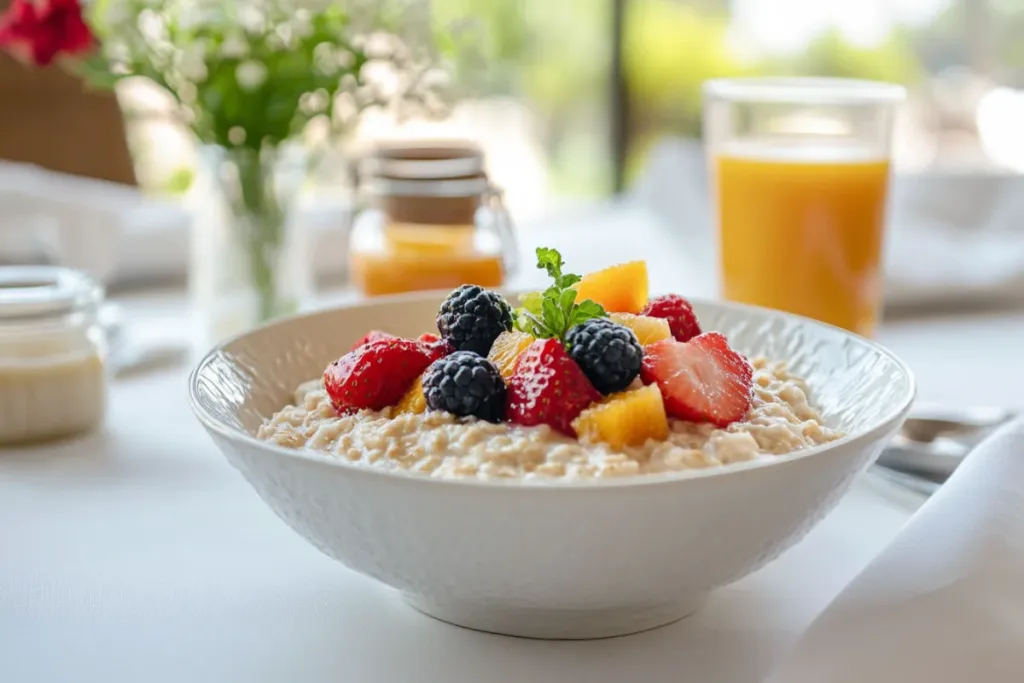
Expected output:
(554, 623)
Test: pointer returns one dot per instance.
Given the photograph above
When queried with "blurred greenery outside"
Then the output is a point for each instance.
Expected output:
(555, 57)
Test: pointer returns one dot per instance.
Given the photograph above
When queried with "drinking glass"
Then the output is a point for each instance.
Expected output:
(800, 172)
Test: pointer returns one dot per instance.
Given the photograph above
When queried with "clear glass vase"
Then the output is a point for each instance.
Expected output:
(249, 258)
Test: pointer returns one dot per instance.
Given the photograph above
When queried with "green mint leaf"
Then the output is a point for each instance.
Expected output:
(550, 314)
(568, 280)
(530, 324)
(530, 313)
(532, 302)
(551, 261)
(521, 321)
(554, 318)
(565, 301)
(586, 310)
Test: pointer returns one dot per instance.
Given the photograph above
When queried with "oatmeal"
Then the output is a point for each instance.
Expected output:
(780, 420)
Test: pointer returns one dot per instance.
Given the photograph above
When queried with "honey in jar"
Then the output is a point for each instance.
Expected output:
(435, 221)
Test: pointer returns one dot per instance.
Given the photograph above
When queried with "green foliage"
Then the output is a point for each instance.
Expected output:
(551, 313)
(492, 39)
(670, 49)
(556, 53)
(893, 60)
(179, 181)
(569, 65)
(251, 75)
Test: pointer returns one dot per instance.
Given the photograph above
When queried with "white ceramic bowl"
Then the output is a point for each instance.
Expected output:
(563, 559)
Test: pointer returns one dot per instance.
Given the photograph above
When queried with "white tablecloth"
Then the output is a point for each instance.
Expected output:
(138, 554)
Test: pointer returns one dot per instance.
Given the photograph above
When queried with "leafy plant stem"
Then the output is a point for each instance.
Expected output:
(259, 221)
(551, 313)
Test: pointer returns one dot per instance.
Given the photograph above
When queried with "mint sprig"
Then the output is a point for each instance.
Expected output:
(551, 313)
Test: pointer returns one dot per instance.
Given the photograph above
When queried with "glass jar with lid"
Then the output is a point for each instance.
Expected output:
(52, 354)
(434, 221)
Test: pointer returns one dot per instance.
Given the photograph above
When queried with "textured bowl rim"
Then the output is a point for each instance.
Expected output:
(888, 423)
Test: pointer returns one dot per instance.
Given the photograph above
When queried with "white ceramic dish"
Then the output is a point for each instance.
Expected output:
(562, 559)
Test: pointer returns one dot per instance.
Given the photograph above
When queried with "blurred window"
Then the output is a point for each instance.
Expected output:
(961, 61)
(576, 93)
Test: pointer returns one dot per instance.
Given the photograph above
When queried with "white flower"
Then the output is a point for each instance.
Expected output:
(152, 26)
(252, 19)
(198, 15)
(235, 46)
(187, 93)
(302, 24)
(192, 61)
(119, 12)
(250, 74)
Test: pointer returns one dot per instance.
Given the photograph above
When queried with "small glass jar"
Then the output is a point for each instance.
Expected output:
(53, 380)
(435, 221)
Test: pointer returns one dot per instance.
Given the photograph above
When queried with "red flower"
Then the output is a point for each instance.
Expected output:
(38, 31)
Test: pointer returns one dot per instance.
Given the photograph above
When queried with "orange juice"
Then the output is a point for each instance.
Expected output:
(801, 230)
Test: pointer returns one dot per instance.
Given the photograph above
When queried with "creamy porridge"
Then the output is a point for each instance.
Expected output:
(780, 420)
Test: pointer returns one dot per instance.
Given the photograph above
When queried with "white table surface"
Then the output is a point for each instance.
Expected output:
(138, 554)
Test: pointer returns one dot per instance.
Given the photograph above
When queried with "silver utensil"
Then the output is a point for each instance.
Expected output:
(911, 482)
(933, 442)
(935, 439)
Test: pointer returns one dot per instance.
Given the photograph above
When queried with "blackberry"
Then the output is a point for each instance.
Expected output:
(471, 318)
(465, 383)
(608, 353)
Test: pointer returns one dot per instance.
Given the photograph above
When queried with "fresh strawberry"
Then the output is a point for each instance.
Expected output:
(428, 338)
(703, 380)
(437, 349)
(371, 336)
(375, 375)
(548, 387)
(678, 312)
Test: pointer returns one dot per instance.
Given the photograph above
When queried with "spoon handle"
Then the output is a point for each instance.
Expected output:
(935, 439)
(908, 481)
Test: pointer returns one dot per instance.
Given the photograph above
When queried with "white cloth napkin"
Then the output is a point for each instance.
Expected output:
(944, 602)
(956, 239)
(72, 220)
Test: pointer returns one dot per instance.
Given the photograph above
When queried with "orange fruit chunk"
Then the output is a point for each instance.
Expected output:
(628, 418)
(506, 349)
(620, 289)
(414, 401)
(647, 330)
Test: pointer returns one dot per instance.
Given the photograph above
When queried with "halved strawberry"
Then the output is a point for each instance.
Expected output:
(436, 349)
(548, 387)
(375, 375)
(703, 380)
(682, 321)
(371, 336)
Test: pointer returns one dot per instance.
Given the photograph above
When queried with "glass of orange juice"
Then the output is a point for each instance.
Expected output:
(800, 171)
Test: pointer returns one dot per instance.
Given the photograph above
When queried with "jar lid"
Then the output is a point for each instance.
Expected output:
(436, 160)
(459, 187)
(45, 292)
